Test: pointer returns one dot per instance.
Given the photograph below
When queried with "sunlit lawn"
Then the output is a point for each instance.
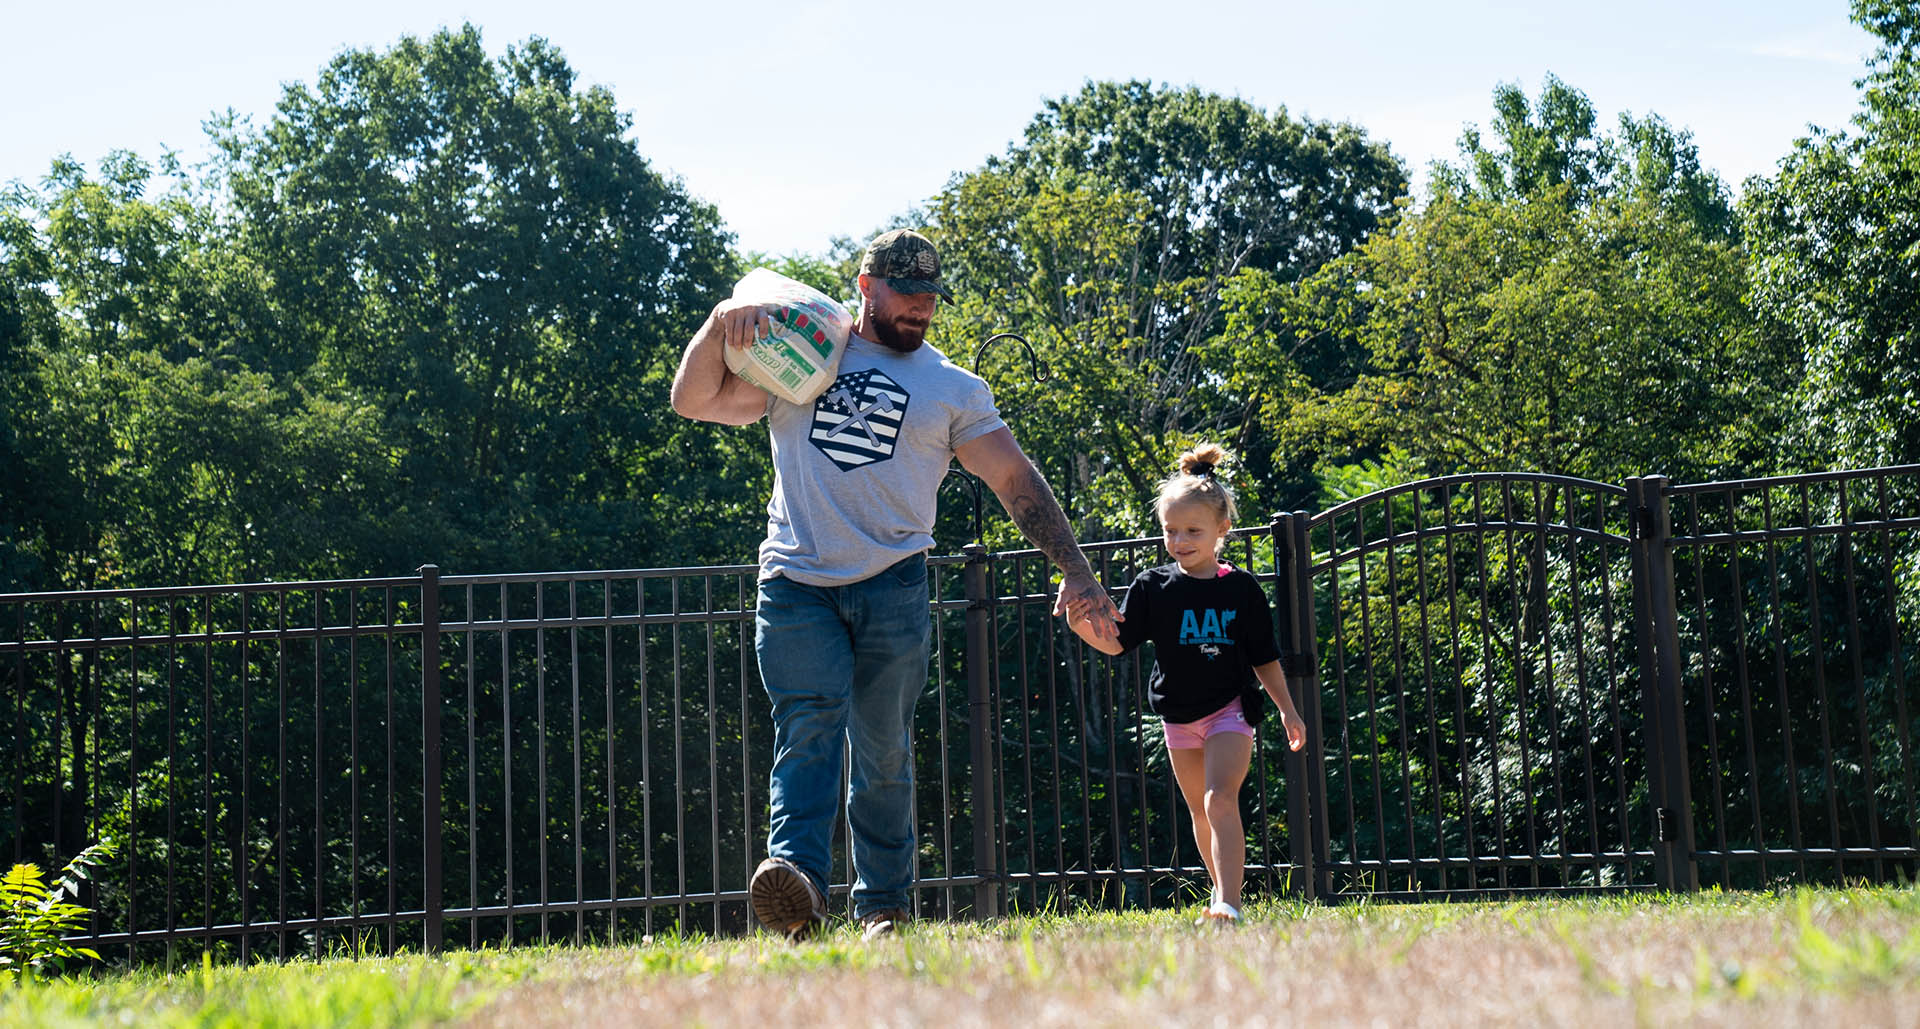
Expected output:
(1833, 957)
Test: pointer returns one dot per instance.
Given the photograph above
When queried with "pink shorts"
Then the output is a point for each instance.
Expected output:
(1193, 735)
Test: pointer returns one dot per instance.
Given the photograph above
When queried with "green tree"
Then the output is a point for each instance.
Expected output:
(473, 245)
(144, 450)
(1114, 237)
(149, 444)
(1836, 239)
(1554, 142)
(1536, 146)
(27, 317)
(1565, 302)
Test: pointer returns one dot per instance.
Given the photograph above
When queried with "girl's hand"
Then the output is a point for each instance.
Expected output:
(1088, 609)
(1296, 729)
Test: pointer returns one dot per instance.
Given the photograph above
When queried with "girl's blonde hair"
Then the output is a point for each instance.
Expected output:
(1197, 478)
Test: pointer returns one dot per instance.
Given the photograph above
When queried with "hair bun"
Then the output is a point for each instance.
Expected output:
(1194, 478)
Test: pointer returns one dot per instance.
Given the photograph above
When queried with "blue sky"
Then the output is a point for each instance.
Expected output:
(890, 100)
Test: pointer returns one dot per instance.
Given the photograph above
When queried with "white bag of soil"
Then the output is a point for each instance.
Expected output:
(802, 354)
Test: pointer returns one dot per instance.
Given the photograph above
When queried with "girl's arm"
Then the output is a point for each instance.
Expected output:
(1083, 627)
(1274, 678)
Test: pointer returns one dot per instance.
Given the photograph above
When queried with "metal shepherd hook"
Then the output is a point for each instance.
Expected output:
(1040, 374)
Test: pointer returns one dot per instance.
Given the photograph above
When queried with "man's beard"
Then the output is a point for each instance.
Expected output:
(893, 337)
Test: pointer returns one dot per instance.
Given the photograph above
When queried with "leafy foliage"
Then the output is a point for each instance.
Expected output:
(1836, 238)
(429, 312)
(1121, 236)
(154, 448)
(34, 919)
(1567, 303)
(472, 247)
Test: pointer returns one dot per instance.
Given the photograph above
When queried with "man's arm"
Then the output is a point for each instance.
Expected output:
(704, 388)
(1000, 463)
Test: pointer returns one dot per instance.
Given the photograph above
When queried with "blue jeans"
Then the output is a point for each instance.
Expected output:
(844, 666)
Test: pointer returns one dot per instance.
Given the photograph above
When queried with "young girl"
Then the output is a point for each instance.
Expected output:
(1212, 633)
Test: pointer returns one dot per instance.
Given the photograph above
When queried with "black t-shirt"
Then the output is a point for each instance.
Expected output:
(1208, 636)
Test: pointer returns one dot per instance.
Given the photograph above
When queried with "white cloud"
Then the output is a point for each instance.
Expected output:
(1846, 45)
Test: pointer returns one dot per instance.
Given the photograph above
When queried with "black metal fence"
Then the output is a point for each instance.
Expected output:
(1526, 683)
(1479, 724)
(1538, 683)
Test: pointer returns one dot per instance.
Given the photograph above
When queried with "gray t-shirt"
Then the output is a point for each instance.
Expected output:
(856, 473)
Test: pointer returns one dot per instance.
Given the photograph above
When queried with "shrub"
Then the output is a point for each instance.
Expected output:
(35, 920)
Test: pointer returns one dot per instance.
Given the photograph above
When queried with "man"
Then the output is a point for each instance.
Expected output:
(843, 620)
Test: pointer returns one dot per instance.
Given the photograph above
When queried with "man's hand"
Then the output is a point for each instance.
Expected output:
(741, 323)
(1083, 599)
(703, 388)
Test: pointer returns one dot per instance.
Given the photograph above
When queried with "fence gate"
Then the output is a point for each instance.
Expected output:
(1537, 683)
(1795, 615)
(1479, 720)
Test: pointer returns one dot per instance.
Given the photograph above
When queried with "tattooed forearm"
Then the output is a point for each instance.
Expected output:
(1038, 514)
(1081, 598)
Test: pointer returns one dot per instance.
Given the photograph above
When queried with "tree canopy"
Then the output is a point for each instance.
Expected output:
(1836, 258)
(474, 247)
(428, 311)
(1567, 301)
(1116, 237)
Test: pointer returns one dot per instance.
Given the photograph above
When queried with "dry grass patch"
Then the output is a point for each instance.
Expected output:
(1842, 957)
(1711, 960)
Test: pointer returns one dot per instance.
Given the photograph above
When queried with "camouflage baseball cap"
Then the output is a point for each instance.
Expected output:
(907, 260)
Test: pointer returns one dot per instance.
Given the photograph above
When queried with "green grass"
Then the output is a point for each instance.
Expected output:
(1842, 956)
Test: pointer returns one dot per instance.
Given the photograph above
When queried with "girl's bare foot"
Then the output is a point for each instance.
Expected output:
(1221, 913)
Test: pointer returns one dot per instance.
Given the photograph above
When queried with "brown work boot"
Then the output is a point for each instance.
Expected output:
(883, 922)
(785, 900)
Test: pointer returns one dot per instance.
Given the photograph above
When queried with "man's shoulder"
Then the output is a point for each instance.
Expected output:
(932, 361)
(926, 366)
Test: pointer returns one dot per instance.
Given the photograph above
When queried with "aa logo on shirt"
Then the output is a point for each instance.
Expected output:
(1207, 628)
(856, 422)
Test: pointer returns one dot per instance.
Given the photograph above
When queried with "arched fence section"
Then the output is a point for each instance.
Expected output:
(1525, 683)
(1478, 722)
(1797, 604)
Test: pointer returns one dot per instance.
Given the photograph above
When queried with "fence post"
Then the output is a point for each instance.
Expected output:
(980, 730)
(433, 899)
(1657, 634)
(1306, 768)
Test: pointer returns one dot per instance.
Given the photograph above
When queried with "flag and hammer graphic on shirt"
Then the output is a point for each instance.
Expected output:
(856, 422)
